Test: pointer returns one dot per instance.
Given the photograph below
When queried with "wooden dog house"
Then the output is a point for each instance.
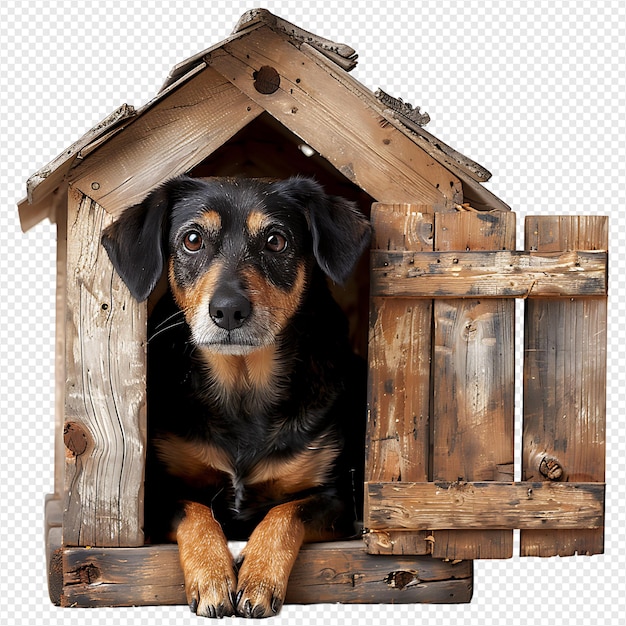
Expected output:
(270, 101)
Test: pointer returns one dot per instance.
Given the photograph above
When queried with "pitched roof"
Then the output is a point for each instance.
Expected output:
(220, 105)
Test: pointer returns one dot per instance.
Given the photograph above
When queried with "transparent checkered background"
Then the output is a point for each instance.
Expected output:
(534, 91)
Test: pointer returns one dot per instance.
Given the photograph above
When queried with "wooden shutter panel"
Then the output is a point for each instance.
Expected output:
(469, 503)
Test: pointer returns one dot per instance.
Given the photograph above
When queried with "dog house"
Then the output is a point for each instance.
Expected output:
(434, 310)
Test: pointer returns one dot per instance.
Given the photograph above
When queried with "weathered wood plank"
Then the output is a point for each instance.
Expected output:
(54, 549)
(326, 572)
(105, 403)
(473, 376)
(43, 183)
(492, 274)
(192, 122)
(485, 505)
(313, 102)
(393, 541)
(565, 383)
(398, 434)
(59, 351)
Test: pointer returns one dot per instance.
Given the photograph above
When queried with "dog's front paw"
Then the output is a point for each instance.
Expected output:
(262, 587)
(208, 568)
(266, 561)
(211, 593)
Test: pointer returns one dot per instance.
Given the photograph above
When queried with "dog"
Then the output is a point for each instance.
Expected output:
(256, 401)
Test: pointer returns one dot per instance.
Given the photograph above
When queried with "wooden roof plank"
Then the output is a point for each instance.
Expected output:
(336, 121)
(339, 53)
(124, 170)
(461, 174)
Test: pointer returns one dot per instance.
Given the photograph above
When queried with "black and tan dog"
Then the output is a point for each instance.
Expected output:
(255, 397)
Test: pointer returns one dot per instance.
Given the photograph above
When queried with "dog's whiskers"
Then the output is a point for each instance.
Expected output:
(167, 319)
(164, 329)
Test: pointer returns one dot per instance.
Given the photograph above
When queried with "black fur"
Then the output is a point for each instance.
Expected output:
(316, 395)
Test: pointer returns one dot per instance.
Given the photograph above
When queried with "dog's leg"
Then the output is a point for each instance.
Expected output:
(210, 580)
(266, 562)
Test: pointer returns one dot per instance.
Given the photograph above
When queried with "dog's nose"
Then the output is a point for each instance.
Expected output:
(229, 308)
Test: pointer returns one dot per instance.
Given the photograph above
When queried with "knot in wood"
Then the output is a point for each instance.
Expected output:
(550, 468)
(76, 438)
(266, 80)
(88, 574)
(402, 578)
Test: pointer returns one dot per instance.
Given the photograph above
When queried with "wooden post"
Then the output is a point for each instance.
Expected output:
(398, 435)
(564, 383)
(473, 375)
(105, 430)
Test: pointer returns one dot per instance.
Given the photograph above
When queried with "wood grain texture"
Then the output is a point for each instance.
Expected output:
(492, 274)
(398, 431)
(485, 505)
(323, 573)
(473, 382)
(168, 139)
(105, 402)
(315, 102)
(565, 383)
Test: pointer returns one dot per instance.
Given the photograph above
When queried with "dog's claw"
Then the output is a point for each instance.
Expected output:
(258, 607)
(276, 605)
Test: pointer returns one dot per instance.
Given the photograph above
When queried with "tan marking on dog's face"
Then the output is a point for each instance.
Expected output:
(256, 222)
(193, 300)
(275, 303)
(211, 220)
(197, 462)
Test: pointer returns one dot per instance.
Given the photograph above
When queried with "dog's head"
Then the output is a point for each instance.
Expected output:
(239, 254)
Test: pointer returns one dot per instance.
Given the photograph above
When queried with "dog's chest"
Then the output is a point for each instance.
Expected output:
(268, 476)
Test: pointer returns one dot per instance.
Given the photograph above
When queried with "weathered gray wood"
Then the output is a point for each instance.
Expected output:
(489, 274)
(485, 505)
(323, 573)
(59, 350)
(192, 121)
(105, 402)
(565, 383)
(54, 547)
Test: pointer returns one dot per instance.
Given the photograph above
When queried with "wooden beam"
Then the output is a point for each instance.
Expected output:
(323, 573)
(485, 505)
(489, 274)
(312, 98)
(105, 395)
(167, 139)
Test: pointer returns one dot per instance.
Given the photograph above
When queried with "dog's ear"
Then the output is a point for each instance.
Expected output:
(135, 242)
(340, 231)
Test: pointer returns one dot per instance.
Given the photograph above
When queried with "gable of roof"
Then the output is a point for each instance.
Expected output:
(217, 105)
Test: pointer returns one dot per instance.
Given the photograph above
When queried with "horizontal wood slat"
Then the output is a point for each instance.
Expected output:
(484, 505)
(325, 572)
(490, 273)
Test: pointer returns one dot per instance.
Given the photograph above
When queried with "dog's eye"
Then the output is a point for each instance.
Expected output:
(276, 242)
(193, 241)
